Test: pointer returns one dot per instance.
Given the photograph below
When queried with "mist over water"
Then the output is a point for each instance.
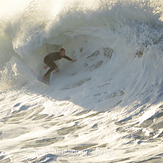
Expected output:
(105, 107)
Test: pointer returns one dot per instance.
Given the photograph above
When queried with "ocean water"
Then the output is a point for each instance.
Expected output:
(105, 107)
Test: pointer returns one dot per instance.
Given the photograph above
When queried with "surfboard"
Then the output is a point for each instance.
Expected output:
(40, 78)
(49, 78)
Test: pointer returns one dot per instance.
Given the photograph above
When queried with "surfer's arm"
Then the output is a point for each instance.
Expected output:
(68, 58)
(45, 67)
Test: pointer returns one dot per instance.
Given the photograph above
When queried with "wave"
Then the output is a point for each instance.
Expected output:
(128, 28)
(108, 101)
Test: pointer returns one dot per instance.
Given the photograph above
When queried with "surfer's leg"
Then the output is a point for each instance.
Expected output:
(52, 66)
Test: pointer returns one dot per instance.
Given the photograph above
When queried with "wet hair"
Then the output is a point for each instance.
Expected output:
(62, 49)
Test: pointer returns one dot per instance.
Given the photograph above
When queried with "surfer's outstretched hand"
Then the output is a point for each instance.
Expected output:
(73, 60)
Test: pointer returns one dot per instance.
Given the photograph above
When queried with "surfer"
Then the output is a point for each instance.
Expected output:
(48, 60)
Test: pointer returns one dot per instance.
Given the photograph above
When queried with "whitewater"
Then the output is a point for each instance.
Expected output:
(105, 107)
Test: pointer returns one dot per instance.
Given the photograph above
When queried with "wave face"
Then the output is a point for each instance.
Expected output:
(34, 29)
(114, 88)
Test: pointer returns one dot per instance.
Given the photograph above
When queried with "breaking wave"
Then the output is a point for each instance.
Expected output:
(34, 29)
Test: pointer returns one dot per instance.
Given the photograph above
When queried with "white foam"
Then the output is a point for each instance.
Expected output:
(97, 105)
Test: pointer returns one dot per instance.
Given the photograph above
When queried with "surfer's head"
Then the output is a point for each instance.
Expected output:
(62, 52)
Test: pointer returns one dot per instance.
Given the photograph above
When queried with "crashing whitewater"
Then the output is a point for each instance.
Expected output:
(105, 107)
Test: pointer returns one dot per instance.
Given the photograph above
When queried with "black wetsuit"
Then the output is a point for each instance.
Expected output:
(48, 60)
